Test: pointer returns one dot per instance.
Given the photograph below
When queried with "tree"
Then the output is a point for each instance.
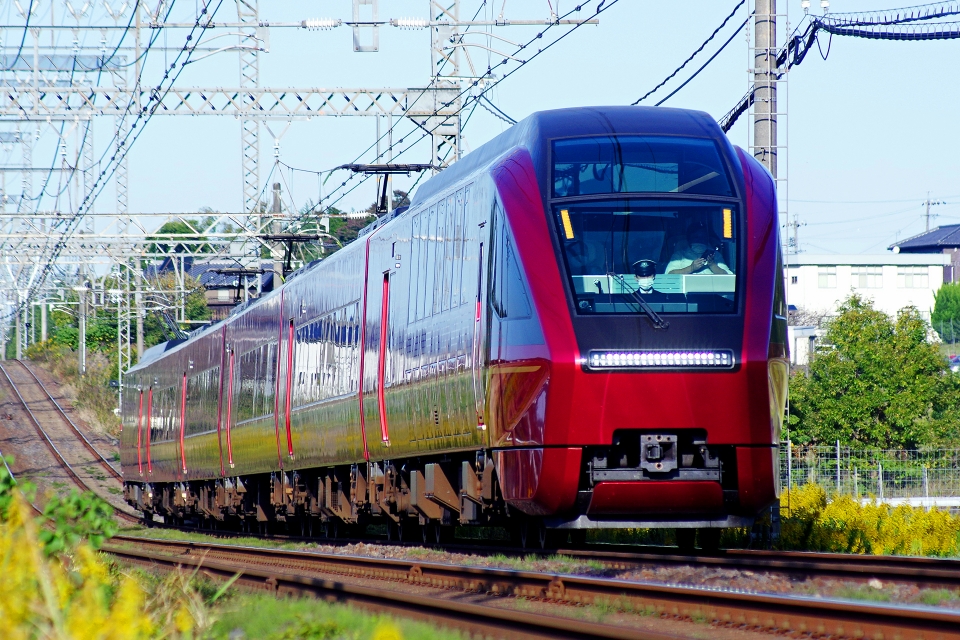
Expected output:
(195, 307)
(946, 312)
(876, 382)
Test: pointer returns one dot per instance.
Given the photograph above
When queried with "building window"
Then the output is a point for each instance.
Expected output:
(827, 277)
(913, 277)
(867, 277)
(793, 279)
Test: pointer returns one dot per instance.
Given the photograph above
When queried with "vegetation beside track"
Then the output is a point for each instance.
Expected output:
(812, 522)
(56, 585)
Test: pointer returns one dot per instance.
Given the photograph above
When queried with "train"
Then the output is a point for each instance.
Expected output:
(579, 325)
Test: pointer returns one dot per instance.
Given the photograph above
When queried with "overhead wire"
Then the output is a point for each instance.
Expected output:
(692, 55)
(894, 24)
(147, 112)
(389, 132)
(23, 39)
(603, 6)
(709, 60)
(495, 110)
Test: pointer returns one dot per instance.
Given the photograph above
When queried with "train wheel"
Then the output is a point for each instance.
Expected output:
(332, 529)
(578, 537)
(431, 532)
(394, 531)
(526, 535)
(686, 539)
(148, 519)
(709, 539)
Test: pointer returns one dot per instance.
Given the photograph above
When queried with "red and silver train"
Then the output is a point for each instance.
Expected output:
(579, 325)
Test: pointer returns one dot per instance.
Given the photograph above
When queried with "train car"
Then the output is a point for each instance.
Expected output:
(579, 325)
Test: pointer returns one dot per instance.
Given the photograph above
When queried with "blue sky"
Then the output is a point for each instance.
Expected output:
(870, 130)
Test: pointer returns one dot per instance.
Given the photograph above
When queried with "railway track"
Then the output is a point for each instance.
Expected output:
(424, 589)
(62, 417)
(919, 571)
(913, 570)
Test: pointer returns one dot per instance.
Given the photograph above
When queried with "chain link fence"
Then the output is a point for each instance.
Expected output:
(921, 478)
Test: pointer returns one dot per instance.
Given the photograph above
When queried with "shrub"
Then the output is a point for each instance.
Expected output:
(811, 522)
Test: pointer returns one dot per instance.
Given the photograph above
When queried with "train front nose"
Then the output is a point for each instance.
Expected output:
(675, 445)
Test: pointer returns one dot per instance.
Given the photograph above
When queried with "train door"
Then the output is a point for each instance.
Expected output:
(382, 359)
(230, 394)
(220, 390)
(140, 426)
(479, 357)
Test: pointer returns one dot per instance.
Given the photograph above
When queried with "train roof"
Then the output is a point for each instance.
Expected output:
(532, 132)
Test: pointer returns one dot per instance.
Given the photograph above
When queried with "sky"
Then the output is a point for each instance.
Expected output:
(870, 131)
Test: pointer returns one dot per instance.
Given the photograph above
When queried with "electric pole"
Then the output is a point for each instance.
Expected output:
(765, 85)
(930, 203)
(795, 228)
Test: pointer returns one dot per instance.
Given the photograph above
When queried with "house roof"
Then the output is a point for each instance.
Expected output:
(206, 273)
(857, 259)
(935, 240)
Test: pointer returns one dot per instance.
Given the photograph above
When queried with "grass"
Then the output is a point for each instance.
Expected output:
(189, 536)
(264, 616)
(862, 592)
(95, 473)
(937, 597)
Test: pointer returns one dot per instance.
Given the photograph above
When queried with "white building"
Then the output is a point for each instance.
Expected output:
(819, 283)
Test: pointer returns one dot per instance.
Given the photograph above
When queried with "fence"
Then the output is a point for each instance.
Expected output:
(912, 476)
(949, 330)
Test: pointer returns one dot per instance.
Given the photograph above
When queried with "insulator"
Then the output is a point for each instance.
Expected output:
(313, 24)
(410, 23)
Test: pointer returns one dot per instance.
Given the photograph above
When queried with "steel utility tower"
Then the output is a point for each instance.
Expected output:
(83, 64)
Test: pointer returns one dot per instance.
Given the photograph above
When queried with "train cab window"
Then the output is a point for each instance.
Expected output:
(509, 292)
(679, 255)
(638, 164)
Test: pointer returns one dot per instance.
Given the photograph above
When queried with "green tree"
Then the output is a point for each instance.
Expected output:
(946, 312)
(876, 382)
(195, 307)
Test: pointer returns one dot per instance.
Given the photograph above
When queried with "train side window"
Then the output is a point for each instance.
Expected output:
(414, 262)
(448, 242)
(428, 265)
(509, 292)
(458, 249)
(439, 244)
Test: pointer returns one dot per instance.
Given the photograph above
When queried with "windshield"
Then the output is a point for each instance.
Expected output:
(638, 164)
(680, 256)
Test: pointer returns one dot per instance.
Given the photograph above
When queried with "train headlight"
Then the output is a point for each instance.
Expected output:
(618, 360)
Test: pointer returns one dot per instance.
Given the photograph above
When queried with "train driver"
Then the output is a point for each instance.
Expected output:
(697, 255)
(644, 271)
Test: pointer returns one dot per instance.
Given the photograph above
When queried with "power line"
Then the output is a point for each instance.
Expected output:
(711, 59)
(495, 110)
(146, 112)
(23, 39)
(604, 5)
(692, 55)
(892, 24)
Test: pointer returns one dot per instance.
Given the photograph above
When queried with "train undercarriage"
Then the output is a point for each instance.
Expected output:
(421, 499)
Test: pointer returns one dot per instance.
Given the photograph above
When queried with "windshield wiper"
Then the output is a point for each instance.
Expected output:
(658, 322)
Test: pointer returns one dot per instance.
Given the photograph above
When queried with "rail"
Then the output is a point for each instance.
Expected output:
(63, 414)
(53, 448)
(298, 572)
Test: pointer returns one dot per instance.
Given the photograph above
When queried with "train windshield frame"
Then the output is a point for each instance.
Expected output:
(680, 255)
(592, 165)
